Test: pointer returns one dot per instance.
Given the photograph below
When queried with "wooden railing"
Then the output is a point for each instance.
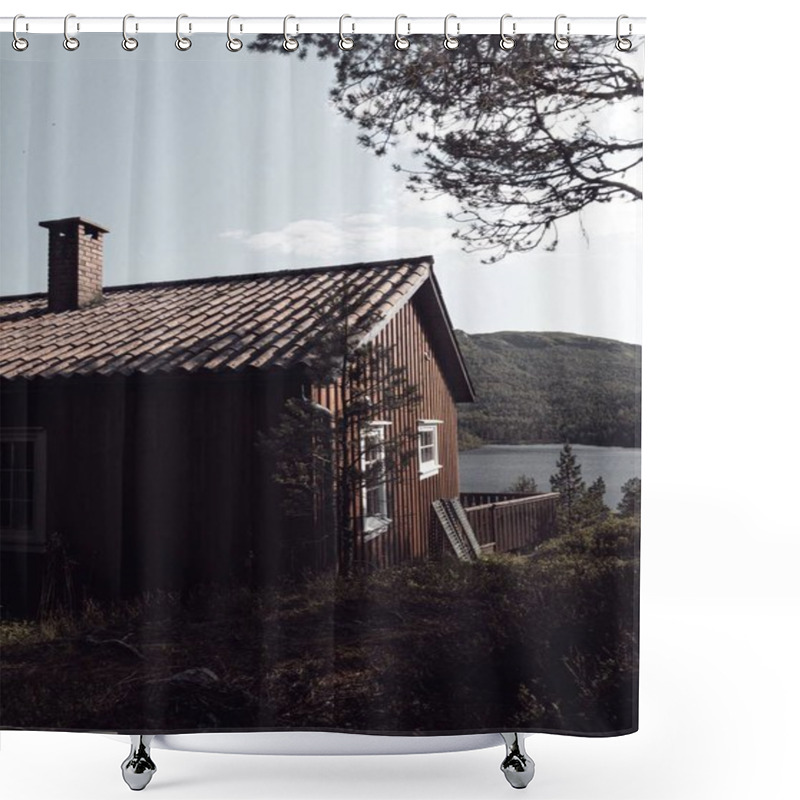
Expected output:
(485, 498)
(511, 521)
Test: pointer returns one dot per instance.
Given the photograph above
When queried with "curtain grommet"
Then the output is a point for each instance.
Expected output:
(290, 44)
(345, 42)
(233, 44)
(17, 42)
(183, 43)
(450, 41)
(129, 43)
(401, 42)
(70, 43)
(623, 44)
(507, 41)
(561, 42)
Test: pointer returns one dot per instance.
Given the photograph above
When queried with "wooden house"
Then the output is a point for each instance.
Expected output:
(130, 418)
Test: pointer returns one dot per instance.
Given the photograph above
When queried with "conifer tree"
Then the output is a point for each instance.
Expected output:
(524, 484)
(571, 488)
(593, 507)
(631, 501)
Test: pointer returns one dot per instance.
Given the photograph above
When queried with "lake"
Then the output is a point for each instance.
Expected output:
(495, 467)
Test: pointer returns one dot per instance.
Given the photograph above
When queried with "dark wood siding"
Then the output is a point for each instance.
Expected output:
(187, 481)
(155, 482)
(408, 537)
(158, 482)
(84, 425)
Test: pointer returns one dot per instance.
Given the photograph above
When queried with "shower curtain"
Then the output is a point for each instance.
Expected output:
(320, 373)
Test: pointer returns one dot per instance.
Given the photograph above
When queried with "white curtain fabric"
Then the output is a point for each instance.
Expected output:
(250, 259)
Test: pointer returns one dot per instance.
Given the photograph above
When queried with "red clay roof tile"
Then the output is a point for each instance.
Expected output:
(256, 320)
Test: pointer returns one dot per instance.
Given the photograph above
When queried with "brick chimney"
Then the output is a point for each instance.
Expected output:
(74, 263)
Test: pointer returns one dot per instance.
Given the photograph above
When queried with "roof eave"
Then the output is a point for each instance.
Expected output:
(432, 301)
(458, 376)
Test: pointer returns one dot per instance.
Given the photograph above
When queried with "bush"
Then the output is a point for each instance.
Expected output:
(546, 641)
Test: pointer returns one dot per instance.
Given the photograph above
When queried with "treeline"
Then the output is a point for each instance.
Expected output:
(579, 505)
(551, 387)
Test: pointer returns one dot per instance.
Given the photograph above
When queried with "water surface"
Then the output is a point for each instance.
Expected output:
(494, 467)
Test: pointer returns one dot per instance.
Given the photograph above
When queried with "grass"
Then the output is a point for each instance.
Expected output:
(539, 642)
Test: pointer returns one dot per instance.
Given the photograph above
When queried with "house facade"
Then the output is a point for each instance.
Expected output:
(131, 420)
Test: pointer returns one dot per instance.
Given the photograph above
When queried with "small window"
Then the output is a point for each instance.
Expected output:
(428, 443)
(22, 489)
(375, 496)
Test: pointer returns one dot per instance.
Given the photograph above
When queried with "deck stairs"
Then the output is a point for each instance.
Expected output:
(455, 524)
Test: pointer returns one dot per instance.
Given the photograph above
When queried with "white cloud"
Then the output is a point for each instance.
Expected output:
(364, 220)
(357, 237)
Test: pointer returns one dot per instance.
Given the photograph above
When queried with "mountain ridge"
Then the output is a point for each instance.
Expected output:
(551, 386)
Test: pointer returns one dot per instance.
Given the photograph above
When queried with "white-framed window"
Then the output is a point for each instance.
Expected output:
(428, 446)
(22, 488)
(375, 495)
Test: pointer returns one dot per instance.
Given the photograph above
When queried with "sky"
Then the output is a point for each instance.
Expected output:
(208, 163)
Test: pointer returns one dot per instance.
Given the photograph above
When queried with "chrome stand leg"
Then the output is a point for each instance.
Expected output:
(138, 768)
(517, 766)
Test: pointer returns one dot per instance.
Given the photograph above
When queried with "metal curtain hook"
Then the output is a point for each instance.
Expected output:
(70, 42)
(507, 42)
(400, 42)
(289, 43)
(345, 42)
(182, 42)
(18, 43)
(451, 42)
(623, 44)
(128, 42)
(561, 42)
(234, 45)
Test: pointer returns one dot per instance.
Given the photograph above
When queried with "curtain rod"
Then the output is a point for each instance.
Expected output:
(351, 24)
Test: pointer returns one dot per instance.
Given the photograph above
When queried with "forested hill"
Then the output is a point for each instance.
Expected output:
(551, 387)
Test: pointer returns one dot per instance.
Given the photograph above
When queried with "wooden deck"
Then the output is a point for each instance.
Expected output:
(507, 522)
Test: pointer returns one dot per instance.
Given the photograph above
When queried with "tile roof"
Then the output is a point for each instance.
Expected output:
(225, 323)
